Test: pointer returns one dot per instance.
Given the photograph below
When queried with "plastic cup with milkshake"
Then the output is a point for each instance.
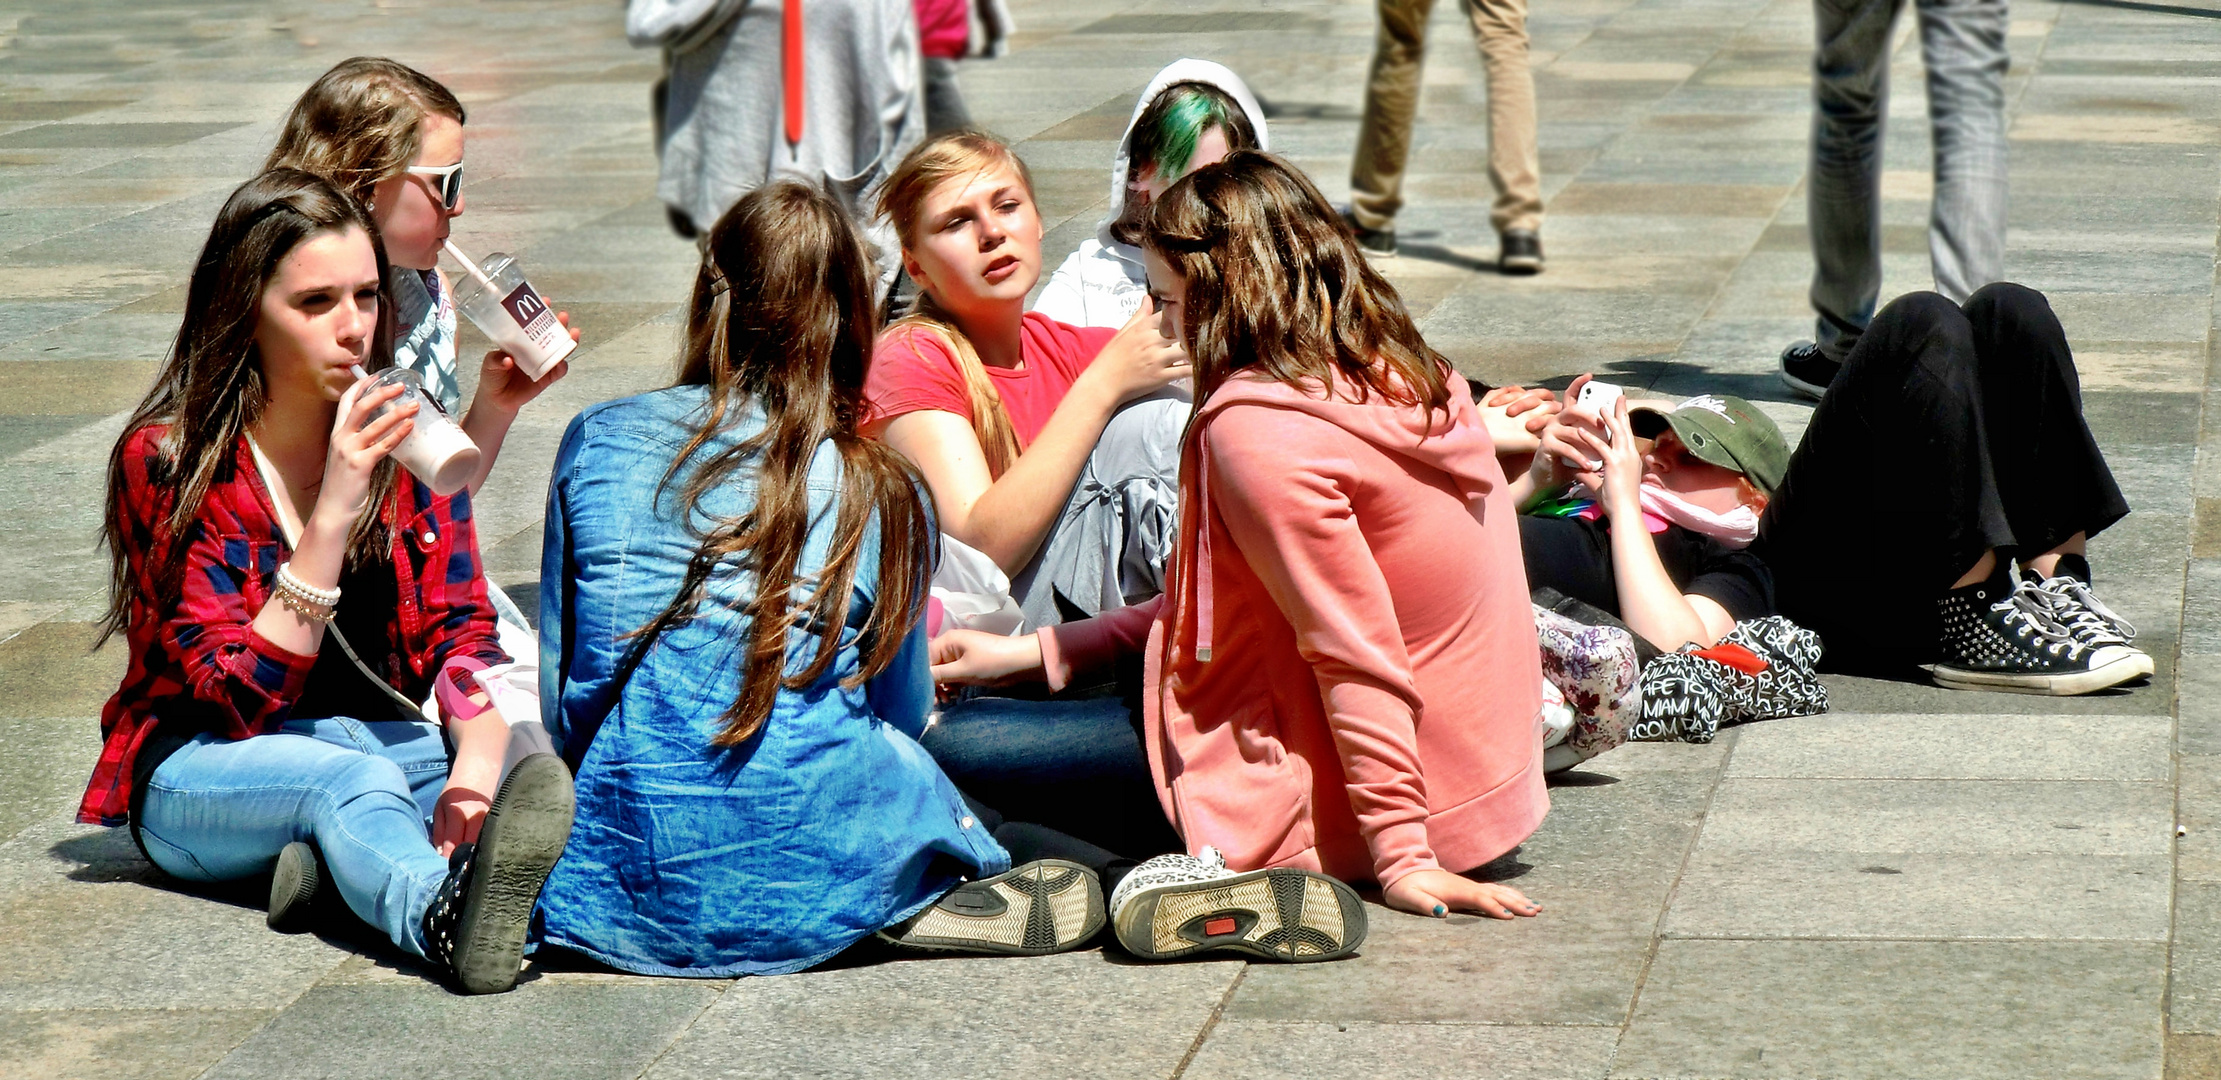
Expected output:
(436, 452)
(510, 312)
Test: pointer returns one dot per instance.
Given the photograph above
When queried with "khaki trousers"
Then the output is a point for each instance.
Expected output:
(1392, 103)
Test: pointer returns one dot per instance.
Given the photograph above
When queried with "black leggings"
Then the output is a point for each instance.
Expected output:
(1950, 431)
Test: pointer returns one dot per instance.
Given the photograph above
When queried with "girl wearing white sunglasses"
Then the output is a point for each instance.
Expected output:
(392, 137)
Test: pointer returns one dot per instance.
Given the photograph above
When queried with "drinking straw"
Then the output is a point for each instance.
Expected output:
(469, 264)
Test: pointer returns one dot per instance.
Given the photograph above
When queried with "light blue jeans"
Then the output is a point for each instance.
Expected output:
(1962, 43)
(362, 792)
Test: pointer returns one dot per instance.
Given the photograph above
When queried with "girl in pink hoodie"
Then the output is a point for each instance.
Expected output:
(1342, 675)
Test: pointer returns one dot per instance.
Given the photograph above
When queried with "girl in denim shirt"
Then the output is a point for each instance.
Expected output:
(732, 658)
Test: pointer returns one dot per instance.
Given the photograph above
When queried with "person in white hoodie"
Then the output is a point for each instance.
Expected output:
(1192, 114)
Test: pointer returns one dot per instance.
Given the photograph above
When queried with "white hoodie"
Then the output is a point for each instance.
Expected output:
(1104, 282)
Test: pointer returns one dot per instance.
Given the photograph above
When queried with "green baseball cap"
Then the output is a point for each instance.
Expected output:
(1725, 431)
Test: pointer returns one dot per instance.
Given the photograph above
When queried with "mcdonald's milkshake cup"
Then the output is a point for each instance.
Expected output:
(437, 451)
(511, 313)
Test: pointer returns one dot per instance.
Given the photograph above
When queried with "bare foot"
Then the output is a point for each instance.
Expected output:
(1440, 892)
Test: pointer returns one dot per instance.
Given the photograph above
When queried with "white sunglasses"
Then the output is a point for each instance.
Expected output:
(450, 181)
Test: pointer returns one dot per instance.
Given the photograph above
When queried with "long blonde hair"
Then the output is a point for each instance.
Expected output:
(953, 156)
(361, 122)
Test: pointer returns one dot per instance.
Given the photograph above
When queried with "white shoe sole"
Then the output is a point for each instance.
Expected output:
(1285, 915)
(2137, 664)
(1046, 906)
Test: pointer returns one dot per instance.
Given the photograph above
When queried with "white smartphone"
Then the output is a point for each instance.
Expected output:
(1598, 397)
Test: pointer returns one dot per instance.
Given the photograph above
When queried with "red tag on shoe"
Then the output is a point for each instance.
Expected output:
(1224, 924)
(1734, 656)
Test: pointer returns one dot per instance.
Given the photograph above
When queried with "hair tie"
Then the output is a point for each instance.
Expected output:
(717, 282)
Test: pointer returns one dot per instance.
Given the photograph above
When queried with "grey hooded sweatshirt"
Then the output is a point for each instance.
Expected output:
(721, 130)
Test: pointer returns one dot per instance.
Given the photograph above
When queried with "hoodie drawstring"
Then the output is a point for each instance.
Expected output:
(1203, 575)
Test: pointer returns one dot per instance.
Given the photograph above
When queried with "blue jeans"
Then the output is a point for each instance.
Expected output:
(362, 792)
(1072, 765)
(1963, 45)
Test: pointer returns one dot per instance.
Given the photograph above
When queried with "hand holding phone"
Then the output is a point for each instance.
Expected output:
(1598, 398)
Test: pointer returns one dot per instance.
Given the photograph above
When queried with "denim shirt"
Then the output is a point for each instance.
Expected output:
(693, 859)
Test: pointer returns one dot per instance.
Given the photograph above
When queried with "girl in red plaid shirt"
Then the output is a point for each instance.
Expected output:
(286, 590)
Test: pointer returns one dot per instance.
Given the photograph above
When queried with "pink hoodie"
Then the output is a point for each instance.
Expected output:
(1342, 674)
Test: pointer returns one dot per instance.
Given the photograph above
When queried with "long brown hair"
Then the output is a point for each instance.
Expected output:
(1275, 282)
(782, 316)
(957, 155)
(211, 388)
(361, 122)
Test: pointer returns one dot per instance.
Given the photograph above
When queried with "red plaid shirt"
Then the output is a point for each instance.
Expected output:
(201, 656)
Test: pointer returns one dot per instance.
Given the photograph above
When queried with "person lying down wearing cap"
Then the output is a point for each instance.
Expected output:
(1697, 475)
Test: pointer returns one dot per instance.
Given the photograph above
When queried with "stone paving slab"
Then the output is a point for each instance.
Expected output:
(1076, 1014)
(1840, 1009)
(1924, 883)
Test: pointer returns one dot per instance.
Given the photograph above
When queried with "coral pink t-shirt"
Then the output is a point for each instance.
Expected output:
(944, 27)
(912, 371)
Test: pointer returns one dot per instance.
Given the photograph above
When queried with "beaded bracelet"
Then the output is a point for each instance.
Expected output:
(304, 590)
(307, 609)
(309, 602)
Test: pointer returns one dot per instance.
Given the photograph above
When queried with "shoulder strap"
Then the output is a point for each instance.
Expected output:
(408, 708)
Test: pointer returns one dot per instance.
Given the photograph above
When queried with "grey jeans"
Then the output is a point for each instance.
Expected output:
(944, 98)
(1963, 45)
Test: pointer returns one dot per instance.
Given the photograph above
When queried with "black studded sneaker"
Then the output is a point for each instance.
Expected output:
(1519, 252)
(1807, 370)
(295, 887)
(475, 926)
(2078, 609)
(1379, 243)
(1179, 905)
(2001, 635)
(1045, 906)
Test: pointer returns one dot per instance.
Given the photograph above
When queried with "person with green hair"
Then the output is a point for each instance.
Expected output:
(1192, 114)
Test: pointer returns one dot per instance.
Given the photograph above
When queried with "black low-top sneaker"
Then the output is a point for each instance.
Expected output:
(2000, 635)
(294, 886)
(475, 926)
(1180, 905)
(1519, 252)
(1045, 906)
(1807, 370)
(1379, 242)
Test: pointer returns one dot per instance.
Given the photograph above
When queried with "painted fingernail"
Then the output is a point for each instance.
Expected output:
(1440, 911)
